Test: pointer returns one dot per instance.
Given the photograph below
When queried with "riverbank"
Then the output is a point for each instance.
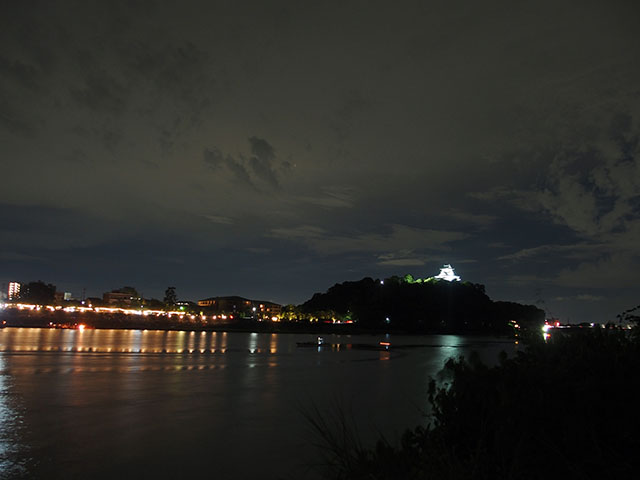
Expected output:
(100, 320)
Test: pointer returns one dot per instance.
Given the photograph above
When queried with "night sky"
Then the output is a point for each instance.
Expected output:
(270, 149)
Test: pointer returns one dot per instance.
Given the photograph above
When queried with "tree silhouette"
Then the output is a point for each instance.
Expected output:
(38, 292)
(170, 298)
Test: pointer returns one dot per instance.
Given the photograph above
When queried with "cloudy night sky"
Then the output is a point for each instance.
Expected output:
(270, 149)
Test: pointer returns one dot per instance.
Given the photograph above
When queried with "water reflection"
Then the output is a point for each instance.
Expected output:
(253, 342)
(12, 461)
(104, 403)
(122, 341)
(449, 347)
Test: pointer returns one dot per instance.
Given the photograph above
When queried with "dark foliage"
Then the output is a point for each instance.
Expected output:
(453, 307)
(631, 315)
(38, 293)
(567, 409)
(170, 297)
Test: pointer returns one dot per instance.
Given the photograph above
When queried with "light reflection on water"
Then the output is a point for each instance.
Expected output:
(125, 341)
(114, 403)
(13, 455)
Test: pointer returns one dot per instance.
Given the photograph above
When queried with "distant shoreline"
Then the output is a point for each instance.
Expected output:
(63, 320)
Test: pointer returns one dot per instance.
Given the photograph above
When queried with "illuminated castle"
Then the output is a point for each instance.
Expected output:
(447, 273)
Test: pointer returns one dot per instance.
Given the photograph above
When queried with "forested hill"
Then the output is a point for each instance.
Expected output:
(429, 306)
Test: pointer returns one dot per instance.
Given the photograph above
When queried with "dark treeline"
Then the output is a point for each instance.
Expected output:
(37, 292)
(429, 306)
(567, 408)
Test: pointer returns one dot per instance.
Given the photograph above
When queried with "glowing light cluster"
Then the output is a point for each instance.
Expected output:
(126, 311)
(447, 273)
(14, 290)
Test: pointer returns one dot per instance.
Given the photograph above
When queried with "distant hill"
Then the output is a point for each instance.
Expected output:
(429, 306)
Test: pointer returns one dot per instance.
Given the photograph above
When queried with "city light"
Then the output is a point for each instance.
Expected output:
(265, 313)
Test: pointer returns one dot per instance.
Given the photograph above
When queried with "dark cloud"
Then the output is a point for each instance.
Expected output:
(111, 139)
(21, 73)
(257, 171)
(217, 160)
(594, 198)
(546, 253)
(262, 161)
(403, 258)
(181, 70)
(101, 92)
(351, 106)
(262, 151)
(332, 197)
(393, 238)
(39, 228)
(590, 192)
(323, 143)
(14, 121)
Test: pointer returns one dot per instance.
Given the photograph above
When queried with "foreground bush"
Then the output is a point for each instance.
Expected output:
(564, 409)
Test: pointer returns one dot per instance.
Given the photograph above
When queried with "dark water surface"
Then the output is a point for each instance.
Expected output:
(156, 404)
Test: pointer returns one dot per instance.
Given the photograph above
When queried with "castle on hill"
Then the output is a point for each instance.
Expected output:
(447, 273)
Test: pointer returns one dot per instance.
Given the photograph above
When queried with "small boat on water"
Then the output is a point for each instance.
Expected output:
(357, 346)
(371, 346)
(317, 343)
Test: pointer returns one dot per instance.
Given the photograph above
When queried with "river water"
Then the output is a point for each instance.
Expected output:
(171, 404)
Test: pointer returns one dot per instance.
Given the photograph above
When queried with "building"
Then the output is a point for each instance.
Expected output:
(447, 273)
(229, 305)
(14, 290)
(268, 310)
(242, 307)
(124, 297)
(62, 297)
(117, 298)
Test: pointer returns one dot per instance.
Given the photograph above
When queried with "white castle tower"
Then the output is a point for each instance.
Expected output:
(447, 273)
